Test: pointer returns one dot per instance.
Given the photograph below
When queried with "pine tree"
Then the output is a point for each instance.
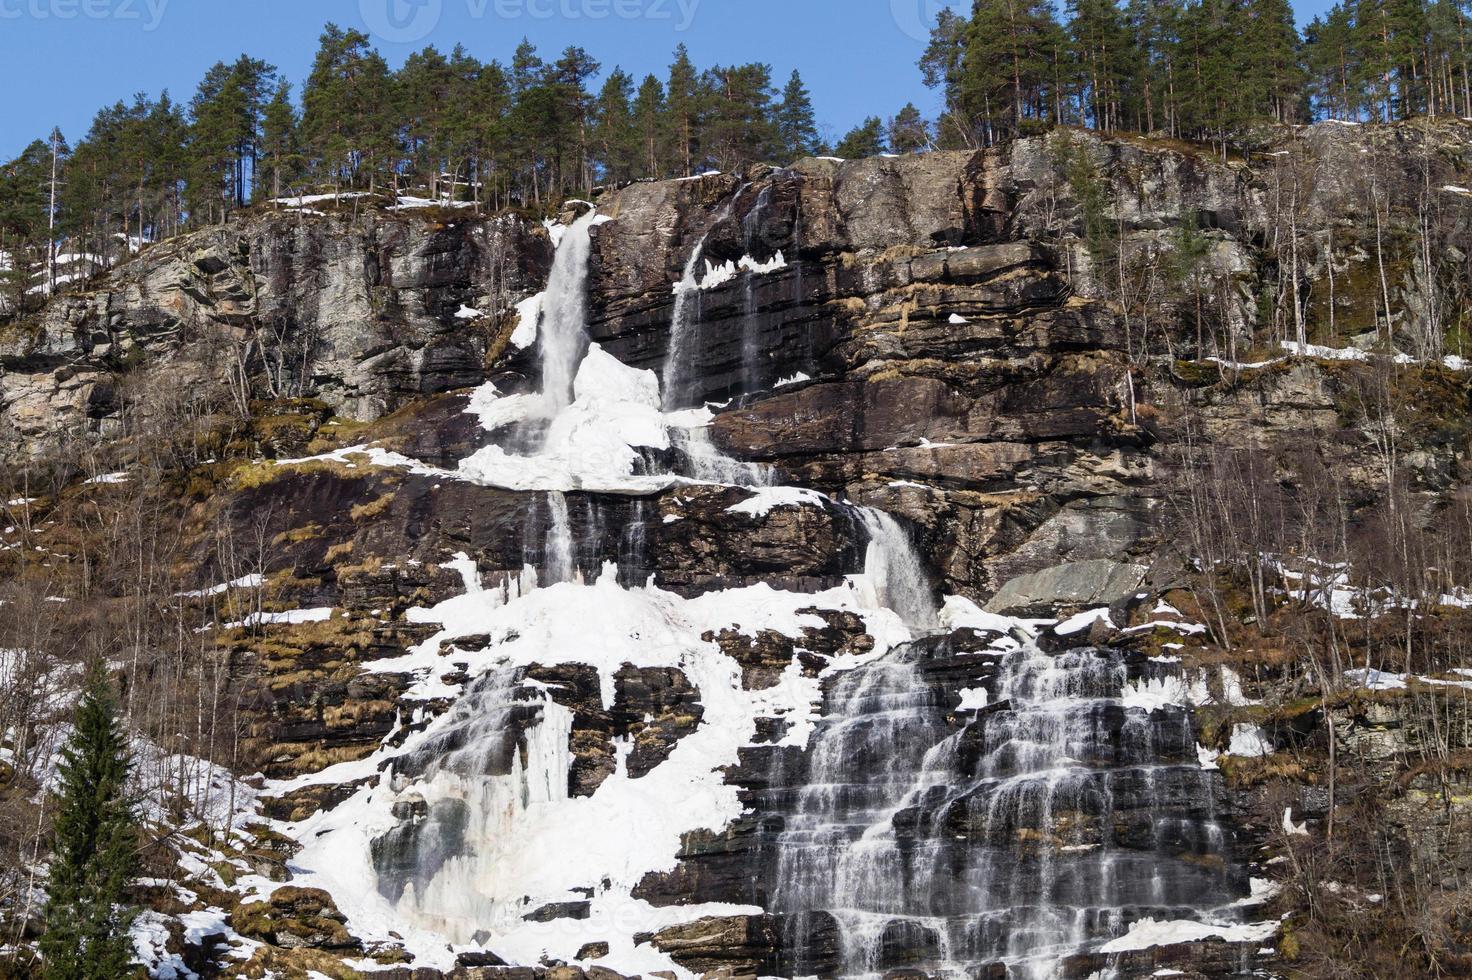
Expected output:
(1328, 59)
(908, 131)
(1104, 59)
(943, 67)
(1274, 68)
(348, 109)
(572, 118)
(614, 133)
(738, 127)
(797, 125)
(649, 118)
(1009, 63)
(95, 845)
(279, 143)
(864, 140)
(684, 98)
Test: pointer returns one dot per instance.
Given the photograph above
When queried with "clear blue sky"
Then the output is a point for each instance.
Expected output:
(61, 60)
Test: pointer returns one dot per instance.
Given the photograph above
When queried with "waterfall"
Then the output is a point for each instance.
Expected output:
(895, 570)
(685, 322)
(561, 566)
(563, 330)
(682, 324)
(1021, 834)
(457, 865)
(750, 323)
(709, 464)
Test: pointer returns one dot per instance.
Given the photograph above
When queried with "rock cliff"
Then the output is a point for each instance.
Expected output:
(1038, 368)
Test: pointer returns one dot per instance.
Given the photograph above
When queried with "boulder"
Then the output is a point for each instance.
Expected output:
(1086, 583)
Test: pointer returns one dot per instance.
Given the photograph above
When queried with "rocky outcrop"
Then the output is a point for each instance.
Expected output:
(357, 309)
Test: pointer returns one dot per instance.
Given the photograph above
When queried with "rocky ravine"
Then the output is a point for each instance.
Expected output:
(936, 336)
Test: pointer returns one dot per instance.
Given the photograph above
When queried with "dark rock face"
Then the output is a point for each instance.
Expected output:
(356, 310)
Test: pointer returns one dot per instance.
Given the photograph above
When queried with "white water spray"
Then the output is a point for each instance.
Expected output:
(563, 328)
(894, 568)
(560, 565)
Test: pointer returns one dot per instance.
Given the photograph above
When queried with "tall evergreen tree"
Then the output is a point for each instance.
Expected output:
(797, 124)
(649, 118)
(281, 155)
(1009, 66)
(95, 845)
(943, 67)
(738, 127)
(683, 98)
(614, 133)
(1104, 61)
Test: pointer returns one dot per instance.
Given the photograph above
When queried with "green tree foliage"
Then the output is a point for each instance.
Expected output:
(348, 123)
(797, 124)
(281, 158)
(651, 118)
(864, 140)
(738, 127)
(685, 100)
(1208, 70)
(908, 130)
(95, 847)
(616, 139)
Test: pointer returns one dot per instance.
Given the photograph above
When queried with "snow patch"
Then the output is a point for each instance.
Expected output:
(767, 499)
(1148, 932)
(244, 582)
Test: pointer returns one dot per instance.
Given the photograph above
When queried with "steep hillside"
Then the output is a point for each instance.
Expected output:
(1043, 561)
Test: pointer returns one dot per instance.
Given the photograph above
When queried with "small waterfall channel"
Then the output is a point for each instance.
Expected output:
(1031, 824)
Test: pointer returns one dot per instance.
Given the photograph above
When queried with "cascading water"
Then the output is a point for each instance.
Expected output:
(895, 570)
(1030, 830)
(454, 864)
(563, 328)
(682, 326)
(751, 225)
(685, 322)
(561, 564)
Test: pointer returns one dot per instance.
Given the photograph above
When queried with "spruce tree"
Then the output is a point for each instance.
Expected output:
(95, 845)
(797, 126)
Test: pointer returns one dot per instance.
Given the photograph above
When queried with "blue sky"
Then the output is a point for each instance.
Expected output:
(60, 60)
